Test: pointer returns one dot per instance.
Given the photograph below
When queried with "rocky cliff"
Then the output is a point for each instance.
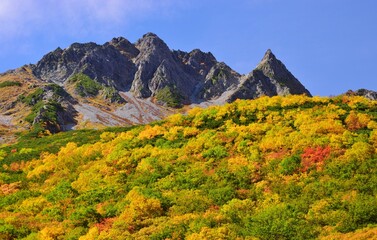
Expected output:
(148, 66)
(117, 82)
(372, 95)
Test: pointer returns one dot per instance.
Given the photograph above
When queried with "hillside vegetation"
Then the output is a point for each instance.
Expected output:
(272, 168)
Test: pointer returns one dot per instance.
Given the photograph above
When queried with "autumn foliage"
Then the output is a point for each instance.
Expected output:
(290, 167)
(314, 157)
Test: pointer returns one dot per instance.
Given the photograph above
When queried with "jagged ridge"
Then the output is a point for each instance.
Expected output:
(153, 73)
(149, 65)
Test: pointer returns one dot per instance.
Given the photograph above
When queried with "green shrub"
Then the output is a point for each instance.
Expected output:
(62, 191)
(169, 96)
(54, 212)
(216, 152)
(10, 84)
(83, 216)
(9, 231)
(112, 95)
(280, 222)
(33, 98)
(84, 85)
(221, 195)
(75, 233)
(56, 89)
(290, 164)
(361, 212)
(220, 75)
(47, 112)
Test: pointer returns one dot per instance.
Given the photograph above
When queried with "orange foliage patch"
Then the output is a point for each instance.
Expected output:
(356, 121)
(14, 166)
(105, 224)
(314, 157)
(279, 154)
(367, 233)
(6, 189)
(243, 193)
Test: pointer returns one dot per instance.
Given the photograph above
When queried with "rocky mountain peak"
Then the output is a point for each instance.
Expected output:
(83, 47)
(268, 56)
(58, 65)
(151, 41)
(199, 53)
(269, 63)
(147, 73)
(58, 50)
(196, 61)
(117, 40)
(149, 34)
(200, 57)
(372, 95)
(274, 69)
(154, 54)
(124, 46)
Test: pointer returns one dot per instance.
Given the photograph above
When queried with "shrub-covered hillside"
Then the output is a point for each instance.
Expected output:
(273, 168)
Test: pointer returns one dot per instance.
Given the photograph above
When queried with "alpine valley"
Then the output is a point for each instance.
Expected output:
(120, 83)
(174, 145)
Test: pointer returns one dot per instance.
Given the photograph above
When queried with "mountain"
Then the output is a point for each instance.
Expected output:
(118, 83)
(291, 167)
(372, 95)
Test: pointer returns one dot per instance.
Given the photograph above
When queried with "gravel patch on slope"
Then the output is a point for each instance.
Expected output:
(141, 111)
(5, 120)
(96, 115)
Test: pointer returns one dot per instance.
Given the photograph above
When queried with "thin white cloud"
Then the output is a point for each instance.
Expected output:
(23, 17)
(15, 16)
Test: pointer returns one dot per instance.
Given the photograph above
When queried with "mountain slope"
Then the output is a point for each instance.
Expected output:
(95, 77)
(290, 167)
(372, 95)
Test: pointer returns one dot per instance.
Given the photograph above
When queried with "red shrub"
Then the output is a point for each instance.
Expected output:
(314, 157)
(105, 224)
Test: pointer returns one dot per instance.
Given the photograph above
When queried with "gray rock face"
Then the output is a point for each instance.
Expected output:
(196, 62)
(372, 95)
(106, 64)
(254, 85)
(148, 66)
(58, 65)
(279, 75)
(219, 78)
(58, 103)
(155, 65)
(139, 80)
(270, 78)
(124, 46)
(159, 67)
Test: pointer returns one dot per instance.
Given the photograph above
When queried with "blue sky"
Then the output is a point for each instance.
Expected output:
(329, 45)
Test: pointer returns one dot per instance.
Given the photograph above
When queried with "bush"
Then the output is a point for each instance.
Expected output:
(84, 85)
(221, 195)
(62, 191)
(280, 222)
(83, 216)
(362, 211)
(57, 90)
(10, 84)
(112, 95)
(290, 165)
(169, 96)
(33, 98)
(216, 152)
